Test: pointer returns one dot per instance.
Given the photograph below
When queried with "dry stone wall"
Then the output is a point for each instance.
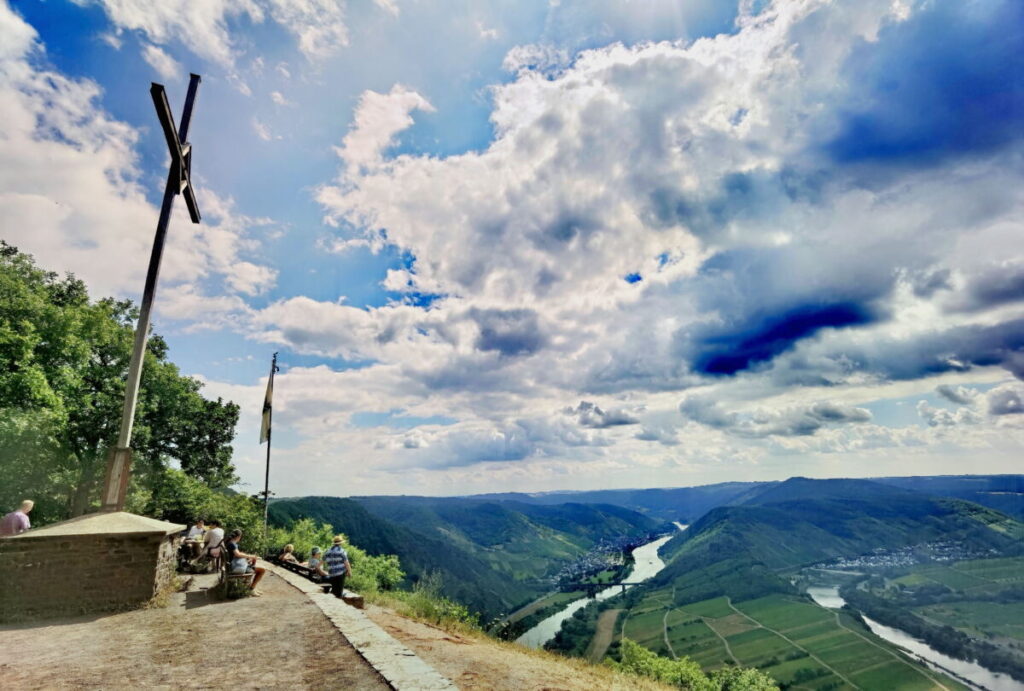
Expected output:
(68, 575)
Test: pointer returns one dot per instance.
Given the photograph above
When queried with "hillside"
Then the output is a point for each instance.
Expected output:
(803, 521)
(524, 542)
(465, 577)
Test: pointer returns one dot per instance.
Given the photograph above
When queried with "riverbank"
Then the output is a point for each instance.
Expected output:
(970, 673)
(646, 563)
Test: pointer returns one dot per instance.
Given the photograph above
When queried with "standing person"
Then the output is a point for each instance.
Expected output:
(240, 562)
(16, 522)
(338, 567)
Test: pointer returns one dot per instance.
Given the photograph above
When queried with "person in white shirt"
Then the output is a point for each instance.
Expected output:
(214, 539)
(196, 530)
(193, 540)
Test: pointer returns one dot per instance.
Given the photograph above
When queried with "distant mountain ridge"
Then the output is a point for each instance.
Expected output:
(686, 504)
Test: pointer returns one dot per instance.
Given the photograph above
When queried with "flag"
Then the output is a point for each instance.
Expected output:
(267, 403)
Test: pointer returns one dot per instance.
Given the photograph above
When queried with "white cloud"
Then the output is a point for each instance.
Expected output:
(378, 118)
(205, 28)
(389, 6)
(278, 98)
(72, 197)
(318, 25)
(201, 26)
(261, 130)
(166, 66)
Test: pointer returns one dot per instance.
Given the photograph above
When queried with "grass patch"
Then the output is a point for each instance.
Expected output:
(715, 608)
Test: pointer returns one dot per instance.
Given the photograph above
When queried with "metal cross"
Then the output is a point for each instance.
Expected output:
(179, 181)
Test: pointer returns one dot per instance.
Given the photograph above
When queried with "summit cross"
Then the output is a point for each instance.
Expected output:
(179, 181)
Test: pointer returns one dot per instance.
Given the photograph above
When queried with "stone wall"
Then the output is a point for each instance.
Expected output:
(78, 574)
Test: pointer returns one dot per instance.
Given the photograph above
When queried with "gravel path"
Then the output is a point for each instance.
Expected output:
(279, 640)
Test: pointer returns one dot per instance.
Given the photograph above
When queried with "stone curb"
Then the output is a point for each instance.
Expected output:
(401, 668)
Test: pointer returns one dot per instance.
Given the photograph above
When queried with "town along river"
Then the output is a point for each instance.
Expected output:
(971, 672)
(646, 563)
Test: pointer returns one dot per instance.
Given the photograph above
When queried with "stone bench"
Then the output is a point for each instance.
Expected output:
(348, 596)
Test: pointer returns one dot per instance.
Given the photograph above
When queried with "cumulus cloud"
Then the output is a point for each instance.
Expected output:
(378, 118)
(590, 414)
(205, 27)
(166, 66)
(1006, 400)
(940, 417)
(764, 422)
(957, 394)
(71, 192)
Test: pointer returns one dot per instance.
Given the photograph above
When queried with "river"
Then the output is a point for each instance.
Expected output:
(969, 671)
(646, 563)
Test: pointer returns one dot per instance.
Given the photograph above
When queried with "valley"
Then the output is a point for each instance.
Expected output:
(731, 591)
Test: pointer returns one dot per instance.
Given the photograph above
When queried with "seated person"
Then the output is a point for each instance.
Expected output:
(240, 562)
(194, 538)
(213, 542)
(316, 564)
(288, 554)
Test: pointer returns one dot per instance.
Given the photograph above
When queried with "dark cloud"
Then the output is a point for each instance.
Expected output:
(592, 415)
(947, 81)
(995, 286)
(954, 350)
(728, 350)
(1005, 401)
(927, 283)
(666, 436)
(509, 332)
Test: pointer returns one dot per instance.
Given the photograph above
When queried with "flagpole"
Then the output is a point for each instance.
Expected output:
(270, 418)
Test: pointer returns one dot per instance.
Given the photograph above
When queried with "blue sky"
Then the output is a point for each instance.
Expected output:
(553, 245)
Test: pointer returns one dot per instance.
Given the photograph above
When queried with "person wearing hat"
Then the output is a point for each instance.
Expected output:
(338, 568)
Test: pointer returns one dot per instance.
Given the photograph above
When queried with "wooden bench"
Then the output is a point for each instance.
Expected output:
(234, 585)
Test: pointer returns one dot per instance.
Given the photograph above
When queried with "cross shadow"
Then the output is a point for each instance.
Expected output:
(203, 598)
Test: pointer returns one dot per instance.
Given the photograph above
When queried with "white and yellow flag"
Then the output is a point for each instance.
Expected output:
(268, 403)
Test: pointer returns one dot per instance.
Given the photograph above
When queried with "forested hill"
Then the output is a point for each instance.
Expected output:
(492, 556)
(521, 541)
(465, 577)
(803, 521)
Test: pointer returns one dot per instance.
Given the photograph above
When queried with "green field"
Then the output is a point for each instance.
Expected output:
(793, 639)
(978, 618)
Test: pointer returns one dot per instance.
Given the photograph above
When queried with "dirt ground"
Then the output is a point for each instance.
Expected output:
(480, 663)
(603, 635)
(279, 640)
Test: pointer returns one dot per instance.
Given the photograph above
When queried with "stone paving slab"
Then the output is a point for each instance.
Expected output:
(399, 666)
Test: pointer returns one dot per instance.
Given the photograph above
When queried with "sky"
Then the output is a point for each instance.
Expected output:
(532, 246)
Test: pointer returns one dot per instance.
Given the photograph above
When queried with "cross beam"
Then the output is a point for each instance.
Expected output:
(179, 181)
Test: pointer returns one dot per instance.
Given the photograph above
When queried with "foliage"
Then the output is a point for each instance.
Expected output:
(63, 363)
(426, 603)
(180, 498)
(687, 674)
(370, 574)
(465, 577)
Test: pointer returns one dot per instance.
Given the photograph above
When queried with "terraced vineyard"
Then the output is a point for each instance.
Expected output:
(802, 645)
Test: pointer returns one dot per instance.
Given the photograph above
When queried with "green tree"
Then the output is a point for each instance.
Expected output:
(687, 674)
(63, 363)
